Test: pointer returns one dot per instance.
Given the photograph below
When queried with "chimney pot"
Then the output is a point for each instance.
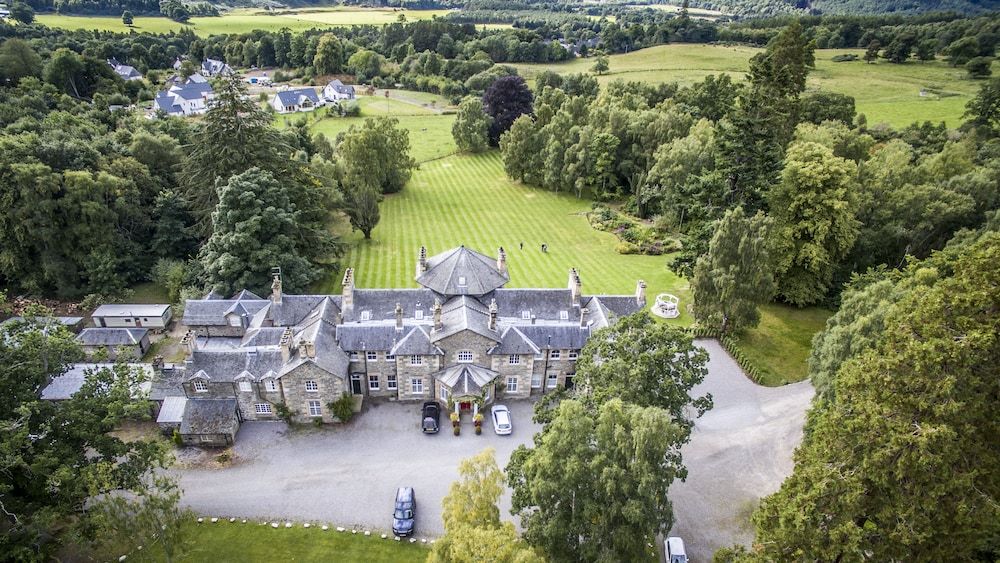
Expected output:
(437, 315)
(421, 260)
(276, 285)
(399, 317)
(493, 312)
(575, 286)
(502, 260)
(640, 293)
(190, 341)
(285, 344)
(347, 292)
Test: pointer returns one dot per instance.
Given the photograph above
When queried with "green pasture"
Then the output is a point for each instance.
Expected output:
(246, 20)
(884, 92)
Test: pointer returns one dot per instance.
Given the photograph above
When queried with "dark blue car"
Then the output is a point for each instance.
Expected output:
(405, 512)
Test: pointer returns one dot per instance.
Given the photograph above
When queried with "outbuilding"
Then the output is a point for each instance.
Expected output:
(114, 343)
(132, 315)
(209, 422)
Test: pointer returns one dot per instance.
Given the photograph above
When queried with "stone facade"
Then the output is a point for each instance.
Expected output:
(305, 351)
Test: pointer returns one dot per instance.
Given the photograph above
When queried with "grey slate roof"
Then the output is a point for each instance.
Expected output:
(544, 304)
(620, 305)
(416, 342)
(355, 337)
(462, 271)
(381, 303)
(226, 365)
(293, 308)
(340, 87)
(69, 322)
(294, 97)
(166, 383)
(514, 341)
(557, 337)
(464, 313)
(209, 416)
(246, 294)
(111, 336)
(64, 386)
(165, 102)
(212, 312)
(465, 379)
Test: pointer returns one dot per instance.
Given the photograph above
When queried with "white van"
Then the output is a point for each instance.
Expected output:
(675, 550)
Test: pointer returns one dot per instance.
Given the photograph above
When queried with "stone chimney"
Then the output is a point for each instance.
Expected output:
(276, 285)
(285, 344)
(190, 341)
(575, 286)
(640, 293)
(583, 317)
(347, 293)
(421, 261)
(310, 349)
(437, 315)
(158, 364)
(502, 260)
(399, 317)
(493, 311)
(302, 349)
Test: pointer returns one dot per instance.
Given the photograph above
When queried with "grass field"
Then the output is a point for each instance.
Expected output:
(884, 92)
(226, 542)
(245, 20)
(780, 345)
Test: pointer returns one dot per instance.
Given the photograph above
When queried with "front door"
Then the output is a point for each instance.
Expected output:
(569, 381)
(465, 406)
(356, 383)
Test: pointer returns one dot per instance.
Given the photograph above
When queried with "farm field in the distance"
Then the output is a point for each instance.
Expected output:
(245, 20)
(883, 91)
(467, 199)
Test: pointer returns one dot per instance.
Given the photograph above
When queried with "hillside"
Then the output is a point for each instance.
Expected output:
(762, 8)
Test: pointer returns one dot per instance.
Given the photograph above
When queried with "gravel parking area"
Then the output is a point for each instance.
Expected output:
(348, 475)
(740, 451)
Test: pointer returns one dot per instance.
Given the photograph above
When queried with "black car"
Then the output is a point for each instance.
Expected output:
(430, 417)
(404, 513)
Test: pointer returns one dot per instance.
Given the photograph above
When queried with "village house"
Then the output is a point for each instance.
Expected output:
(336, 91)
(215, 67)
(296, 99)
(125, 71)
(461, 339)
(132, 315)
(190, 98)
(114, 343)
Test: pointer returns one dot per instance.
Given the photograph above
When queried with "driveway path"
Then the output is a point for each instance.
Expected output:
(740, 451)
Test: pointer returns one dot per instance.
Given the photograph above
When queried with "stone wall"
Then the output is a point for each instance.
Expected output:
(502, 365)
(293, 387)
(405, 372)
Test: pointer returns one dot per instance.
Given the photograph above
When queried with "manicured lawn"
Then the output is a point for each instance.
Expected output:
(253, 541)
(467, 199)
(884, 92)
(245, 20)
(781, 342)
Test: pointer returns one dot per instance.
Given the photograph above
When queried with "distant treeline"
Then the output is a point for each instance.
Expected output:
(766, 8)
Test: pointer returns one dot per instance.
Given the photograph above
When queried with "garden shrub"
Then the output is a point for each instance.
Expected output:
(343, 408)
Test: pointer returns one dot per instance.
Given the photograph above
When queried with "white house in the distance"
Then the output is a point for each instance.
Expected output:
(190, 98)
(297, 99)
(337, 90)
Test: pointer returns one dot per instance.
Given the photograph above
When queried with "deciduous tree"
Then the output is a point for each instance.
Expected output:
(329, 57)
(737, 273)
(471, 127)
(378, 140)
(506, 99)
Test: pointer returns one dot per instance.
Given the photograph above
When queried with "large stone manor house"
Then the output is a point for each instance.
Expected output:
(461, 338)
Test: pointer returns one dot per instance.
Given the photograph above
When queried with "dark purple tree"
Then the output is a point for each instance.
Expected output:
(506, 99)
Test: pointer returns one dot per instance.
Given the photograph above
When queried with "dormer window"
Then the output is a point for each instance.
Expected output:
(462, 281)
(200, 386)
(418, 314)
(526, 315)
(366, 315)
(564, 315)
(465, 357)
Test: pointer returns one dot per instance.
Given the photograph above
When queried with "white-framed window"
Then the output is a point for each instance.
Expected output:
(416, 360)
(574, 354)
(513, 359)
(462, 282)
(564, 315)
(536, 381)
(270, 385)
(444, 393)
(245, 386)
(390, 382)
(371, 356)
(311, 386)
(465, 357)
(552, 380)
(373, 383)
(315, 408)
(511, 384)
(418, 314)
(200, 386)
(354, 357)
(526, 315)
(263, 408)
(366, 315)
(390, 358)
(554, 354)
(417, 384)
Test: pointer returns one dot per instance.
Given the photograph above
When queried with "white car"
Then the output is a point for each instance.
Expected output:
(502, 424)
(675, 550)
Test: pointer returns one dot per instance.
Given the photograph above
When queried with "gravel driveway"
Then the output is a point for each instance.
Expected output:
(739, 451)
(348, 476)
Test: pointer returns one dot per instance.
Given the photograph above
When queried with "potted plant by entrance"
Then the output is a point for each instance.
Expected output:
(478, 421)
(457, 430)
